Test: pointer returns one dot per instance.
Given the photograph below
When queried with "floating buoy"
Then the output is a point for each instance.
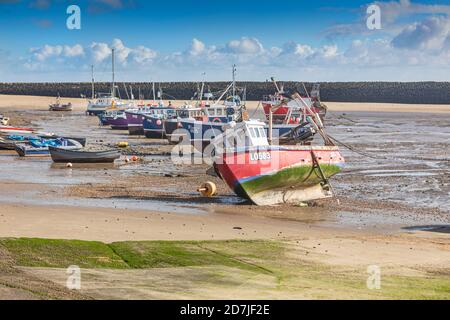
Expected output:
(208, 189)
(127, 160)
(122, 144)
(134, 158)
(69, 165)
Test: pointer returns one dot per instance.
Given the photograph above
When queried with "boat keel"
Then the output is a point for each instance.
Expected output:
(274, 197)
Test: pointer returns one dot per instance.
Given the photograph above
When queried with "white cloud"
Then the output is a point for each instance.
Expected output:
(75, 51)
(100, 51)
(122, 52)
(47, 51)
(245, 46)
(143, 55)
(380, 58)
(430, 33)
(197, 47)
(329, 51)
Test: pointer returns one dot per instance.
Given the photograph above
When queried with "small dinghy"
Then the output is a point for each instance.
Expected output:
(77, 156)
(40, 148)
(58, 106)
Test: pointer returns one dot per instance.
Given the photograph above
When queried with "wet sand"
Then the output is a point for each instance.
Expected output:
(394, 193)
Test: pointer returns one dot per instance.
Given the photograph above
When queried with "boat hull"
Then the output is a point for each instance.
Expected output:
(118, 123)
(275, 175)
(72, 156)
(60, 108)
(135, 123)
(154, 127)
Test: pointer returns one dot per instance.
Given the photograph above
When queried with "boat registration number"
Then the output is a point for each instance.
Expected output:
(257, 156)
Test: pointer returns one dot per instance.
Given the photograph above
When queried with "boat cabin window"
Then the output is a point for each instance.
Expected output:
(256, 136)
(262, 132)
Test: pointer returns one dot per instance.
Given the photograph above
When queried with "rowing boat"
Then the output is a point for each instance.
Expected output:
(77, 156)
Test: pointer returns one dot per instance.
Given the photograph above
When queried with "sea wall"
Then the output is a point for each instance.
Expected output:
(382, 92)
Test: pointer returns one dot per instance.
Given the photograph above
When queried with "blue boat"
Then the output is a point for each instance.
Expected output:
(153, 124)
(40, 148)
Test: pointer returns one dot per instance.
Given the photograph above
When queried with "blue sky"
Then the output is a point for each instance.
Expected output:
(181, 40)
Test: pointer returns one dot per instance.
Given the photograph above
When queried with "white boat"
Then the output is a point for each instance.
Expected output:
(105, 101)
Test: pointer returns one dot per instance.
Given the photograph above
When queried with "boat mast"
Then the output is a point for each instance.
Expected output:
(154, 98)
(113, 89)
(93, 81)
(203, 88)
(276, 85)
(234, 81)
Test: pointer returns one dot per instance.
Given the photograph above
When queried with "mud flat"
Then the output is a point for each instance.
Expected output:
(392, 212)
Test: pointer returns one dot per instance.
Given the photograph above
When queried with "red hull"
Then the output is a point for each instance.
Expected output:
(255, 172)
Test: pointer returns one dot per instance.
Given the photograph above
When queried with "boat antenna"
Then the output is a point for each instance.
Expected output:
(93, 82)
(113, 91)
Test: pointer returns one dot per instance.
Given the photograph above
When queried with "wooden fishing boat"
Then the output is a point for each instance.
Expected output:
(60, 107)
(269, 175)
(290, 111)
(266, 174)
(78, 156)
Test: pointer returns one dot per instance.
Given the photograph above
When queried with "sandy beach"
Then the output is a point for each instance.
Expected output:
(13, 102)
(392, 211)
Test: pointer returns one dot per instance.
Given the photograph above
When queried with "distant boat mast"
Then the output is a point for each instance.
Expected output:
(234, 81)
(93, 82)
(113, 89)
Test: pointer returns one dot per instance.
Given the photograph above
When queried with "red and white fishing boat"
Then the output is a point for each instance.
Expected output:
(269, 174)
(289, 111)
